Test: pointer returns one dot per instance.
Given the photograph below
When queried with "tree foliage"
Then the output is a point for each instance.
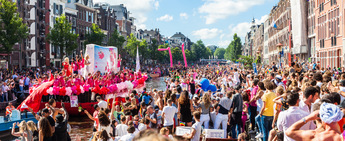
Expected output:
(177, 54)
(200, 51)
(133, 43)
(13, 30)
(117, 40)
(234, 50)
(61, 36)
(220, 53)
(247, 61)
(95, 36)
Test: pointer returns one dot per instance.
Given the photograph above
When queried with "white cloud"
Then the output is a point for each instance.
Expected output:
(241, 29)
(165, 18)
(138, 8)
(184, 15)
(221, 9)
(224, 43)
(206, 33)
(156, 5)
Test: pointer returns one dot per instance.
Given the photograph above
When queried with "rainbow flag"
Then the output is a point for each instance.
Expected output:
(182, 123)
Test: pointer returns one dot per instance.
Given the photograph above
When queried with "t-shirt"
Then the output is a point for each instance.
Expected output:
(117, 115)
(146, 99)
(197, 127)
(268, 99)
(205, 110)
(121, 130)
(51, 121)
(61, 131)
(153, 116)
(169, 112)
(128, 137)
(237, 103)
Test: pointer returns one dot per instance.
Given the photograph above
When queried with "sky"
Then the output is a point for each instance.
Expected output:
(212, 21)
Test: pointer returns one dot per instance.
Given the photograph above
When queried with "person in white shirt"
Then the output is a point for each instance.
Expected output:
(130, 135)
(121, 129)
(168, 115)
(101, 103)
(196, 128)
(293, 114)
(5, 90)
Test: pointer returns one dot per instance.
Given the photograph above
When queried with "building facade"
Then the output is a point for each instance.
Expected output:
(258, 42)
(106, 19)
(279, 36)
(329, 32)
(265, 57)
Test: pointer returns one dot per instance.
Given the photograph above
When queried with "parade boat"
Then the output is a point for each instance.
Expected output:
(6, 124)
(79, 96)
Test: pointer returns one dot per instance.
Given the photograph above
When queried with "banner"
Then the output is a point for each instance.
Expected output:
(103, 59)
(137, 67)
(254, 68)
(74, 101)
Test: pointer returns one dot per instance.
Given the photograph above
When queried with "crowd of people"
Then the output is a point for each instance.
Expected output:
(301, 102)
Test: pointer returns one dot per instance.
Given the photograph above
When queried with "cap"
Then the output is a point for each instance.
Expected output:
(195, 96)
(279, 77)
(156, 108)
(218, 98)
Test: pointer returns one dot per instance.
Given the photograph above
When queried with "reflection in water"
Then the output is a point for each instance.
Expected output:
(82, 126)
(156, 83)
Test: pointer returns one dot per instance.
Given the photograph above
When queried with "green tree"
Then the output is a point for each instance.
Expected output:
(219, 53)
(163, 56)
(246, 60)
(12, 29)
(234, 50)
(153, 50)
(189, 55)
(95, 36)
(117, 40)
(177, 54)
(199, 50)
(133, 43)
(208, 53)
(61, 36)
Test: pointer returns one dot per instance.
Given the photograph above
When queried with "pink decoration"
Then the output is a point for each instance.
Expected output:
(68, 91)
(135, 83)
(164, 49)
(74, 90)
(100, 55)
(82, 90)
(86, 87)
(50, 91)
(184, 56)
(56, 90)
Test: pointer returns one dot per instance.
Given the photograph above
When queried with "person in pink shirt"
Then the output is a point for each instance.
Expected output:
(252, 103)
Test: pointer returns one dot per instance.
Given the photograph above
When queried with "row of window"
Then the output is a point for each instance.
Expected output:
(330, 59)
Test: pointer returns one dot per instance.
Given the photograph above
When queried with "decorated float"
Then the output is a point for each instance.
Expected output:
(103, 60)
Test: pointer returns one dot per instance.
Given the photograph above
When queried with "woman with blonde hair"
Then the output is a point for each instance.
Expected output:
(45, 132)
(205, 110)
(33, 128)
(67, 69)
(24, 134)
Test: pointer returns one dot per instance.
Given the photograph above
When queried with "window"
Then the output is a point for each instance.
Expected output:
(56, 8)
(87, 12)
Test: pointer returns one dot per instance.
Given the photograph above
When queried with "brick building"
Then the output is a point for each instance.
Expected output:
(280, 14)
(329, 32)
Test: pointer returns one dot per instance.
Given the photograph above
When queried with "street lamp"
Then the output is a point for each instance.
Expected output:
(280, 52)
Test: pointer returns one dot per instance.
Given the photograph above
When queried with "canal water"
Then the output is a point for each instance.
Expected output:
(82, 125)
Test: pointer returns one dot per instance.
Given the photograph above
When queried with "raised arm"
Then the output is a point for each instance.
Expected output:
(65, 111)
